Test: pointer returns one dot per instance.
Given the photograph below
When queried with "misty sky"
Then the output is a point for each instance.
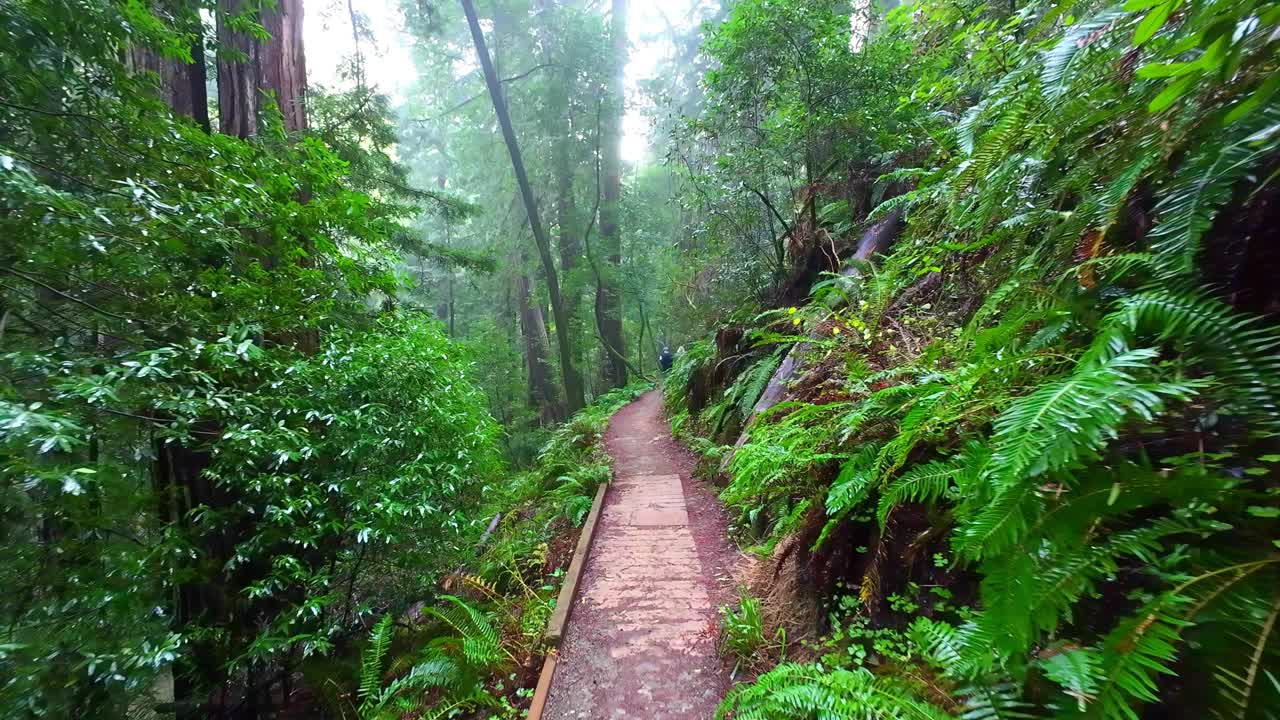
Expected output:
(390, 65)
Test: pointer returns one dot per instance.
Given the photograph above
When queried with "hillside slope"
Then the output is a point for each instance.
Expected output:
(1024, 461)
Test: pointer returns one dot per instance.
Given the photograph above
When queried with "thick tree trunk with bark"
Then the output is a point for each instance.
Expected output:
(248, 69)
(569, 238)
(609, 295)
(182, 84)
(282, 65)
(237, 75)
(573, 387)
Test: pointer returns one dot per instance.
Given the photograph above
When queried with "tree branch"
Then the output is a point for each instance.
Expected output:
(481, 94)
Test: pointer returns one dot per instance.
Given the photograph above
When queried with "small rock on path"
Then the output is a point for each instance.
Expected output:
(641, 641)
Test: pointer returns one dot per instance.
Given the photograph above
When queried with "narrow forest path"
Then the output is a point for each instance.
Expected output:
(641, 641)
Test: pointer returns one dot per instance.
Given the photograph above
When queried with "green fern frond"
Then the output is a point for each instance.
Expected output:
(374, 655)
(1076, 671)
(1061, 422)
(857, 477)
(945, 646)
(1241, 349)
(922, 483)
(994, 698)
(480, 643)
(1240, 687)
(997, 143)
(1201, 187)
(1059, 60)
(803, 692)
(1133, 655)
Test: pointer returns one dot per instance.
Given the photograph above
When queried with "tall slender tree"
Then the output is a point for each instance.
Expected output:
(573, 386)
(560, 126)
(608, 292)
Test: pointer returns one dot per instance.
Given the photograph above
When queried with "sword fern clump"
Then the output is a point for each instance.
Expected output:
(1073, 400)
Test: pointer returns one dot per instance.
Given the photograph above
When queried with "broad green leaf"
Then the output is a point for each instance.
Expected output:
(1171, 94)
(1254, 101)
(1175, 69)
(1153, 21)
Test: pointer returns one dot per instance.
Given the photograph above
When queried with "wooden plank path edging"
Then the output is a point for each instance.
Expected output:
(564, 603)
(544, 686)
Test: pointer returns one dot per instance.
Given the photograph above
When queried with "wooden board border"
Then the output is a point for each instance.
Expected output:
(564, 604)
(569, 591)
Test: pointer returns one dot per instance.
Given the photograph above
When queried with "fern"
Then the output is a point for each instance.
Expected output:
(994, 698)
(1059, 60)
(1134, 654)
(921, 483)
(1076, 671)
(375, 654)
(856, 479)
(1201, 187)
(803, 692)
(478, 638)
(1241, 348)
(1240, 687)
(1060, 423)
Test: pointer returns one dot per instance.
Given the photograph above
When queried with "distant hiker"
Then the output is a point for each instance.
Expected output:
(664, 359)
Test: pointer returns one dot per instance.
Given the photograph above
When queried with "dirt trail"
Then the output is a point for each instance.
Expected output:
(641, 641)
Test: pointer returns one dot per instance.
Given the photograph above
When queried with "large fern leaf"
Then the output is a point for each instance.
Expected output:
(374, 655)
(1058, 424)
(803, 692)
(1062, 58)
(921, 483)
(1242, 350)
(1201, 187)
(1241, 686)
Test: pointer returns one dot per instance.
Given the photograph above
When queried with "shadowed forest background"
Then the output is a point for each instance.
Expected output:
(304, 375)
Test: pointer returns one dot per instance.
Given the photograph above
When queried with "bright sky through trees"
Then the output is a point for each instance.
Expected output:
(389, 64)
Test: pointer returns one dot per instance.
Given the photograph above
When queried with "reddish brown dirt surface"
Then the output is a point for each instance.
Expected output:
(641, 641)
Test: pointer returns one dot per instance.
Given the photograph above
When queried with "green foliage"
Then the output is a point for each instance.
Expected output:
(451, 669)
(804, 691)
(1081, 405)
(222, 445)
(742, 629)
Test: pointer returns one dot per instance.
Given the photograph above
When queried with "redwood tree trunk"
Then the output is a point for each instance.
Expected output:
(282, 65)
(573, 388)
(182, 85)
(249, 69)
(542, 392)
(609, 300)
(237, 75)
(569, 239)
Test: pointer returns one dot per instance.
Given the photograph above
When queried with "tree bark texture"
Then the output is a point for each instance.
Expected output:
(533, 328)
(182, 84)
(249, 69)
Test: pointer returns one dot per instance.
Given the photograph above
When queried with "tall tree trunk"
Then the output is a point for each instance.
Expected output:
(609, 300)
(542, 392)
(177, 473)
(573, 387)
(569, 238)
(182, 84)
(248, 68)
(237, 74)
(209, 596)
(282, 64)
